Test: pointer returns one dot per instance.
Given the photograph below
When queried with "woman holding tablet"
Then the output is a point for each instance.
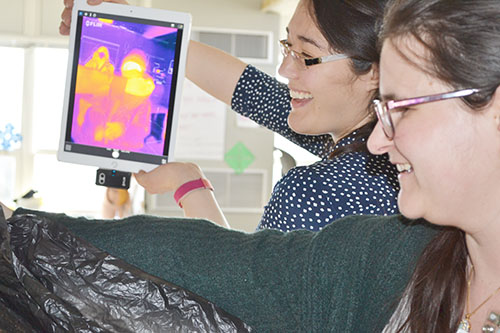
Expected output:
(330, 59)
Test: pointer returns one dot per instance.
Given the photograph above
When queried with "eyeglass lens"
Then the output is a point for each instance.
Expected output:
(384, 117)
(286, 51)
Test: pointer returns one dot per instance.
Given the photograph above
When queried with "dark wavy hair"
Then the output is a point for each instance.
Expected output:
(350, 27)
(462, 43)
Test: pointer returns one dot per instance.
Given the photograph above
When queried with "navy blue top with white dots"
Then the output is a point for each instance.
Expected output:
(310, 197)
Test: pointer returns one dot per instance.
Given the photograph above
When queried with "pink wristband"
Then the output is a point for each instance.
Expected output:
(190, 186)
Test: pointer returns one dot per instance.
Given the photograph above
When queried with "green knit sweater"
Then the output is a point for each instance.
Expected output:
(346, 278)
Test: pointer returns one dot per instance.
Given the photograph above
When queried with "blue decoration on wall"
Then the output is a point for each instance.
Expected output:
(8, 138)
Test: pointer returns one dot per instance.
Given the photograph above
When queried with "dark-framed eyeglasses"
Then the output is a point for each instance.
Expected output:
(385, 109)
(305, 62)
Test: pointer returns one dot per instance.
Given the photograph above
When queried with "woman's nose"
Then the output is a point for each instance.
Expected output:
(288, 68)
(378, 143)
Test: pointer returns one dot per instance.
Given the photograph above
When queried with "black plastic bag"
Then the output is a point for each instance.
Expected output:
(52, 281)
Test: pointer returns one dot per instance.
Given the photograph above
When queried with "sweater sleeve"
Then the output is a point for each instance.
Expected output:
(266, 101)
(273, 281)
(362, 265)
(256, 277)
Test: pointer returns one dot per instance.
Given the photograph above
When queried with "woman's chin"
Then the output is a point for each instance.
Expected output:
(409, 204)
(297, 123)
(409, 211)
(299, 130)
(301, 125)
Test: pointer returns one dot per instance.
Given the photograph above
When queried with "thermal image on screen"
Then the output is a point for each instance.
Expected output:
(123, 85)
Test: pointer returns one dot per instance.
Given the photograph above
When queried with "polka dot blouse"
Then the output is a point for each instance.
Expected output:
(310, 197)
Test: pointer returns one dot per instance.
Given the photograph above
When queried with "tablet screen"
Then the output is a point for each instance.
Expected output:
(123, 84)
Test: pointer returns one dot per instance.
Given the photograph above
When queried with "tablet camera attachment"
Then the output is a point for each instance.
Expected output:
(113, 178)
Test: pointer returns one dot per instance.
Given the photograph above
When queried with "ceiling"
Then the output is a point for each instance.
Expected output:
(282, 7)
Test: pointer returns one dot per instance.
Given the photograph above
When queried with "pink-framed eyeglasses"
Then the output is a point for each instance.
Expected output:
(383, 108)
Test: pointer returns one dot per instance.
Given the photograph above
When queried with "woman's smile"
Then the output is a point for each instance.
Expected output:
(300, 98)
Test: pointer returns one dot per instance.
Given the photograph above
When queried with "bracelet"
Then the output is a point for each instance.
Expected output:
(190, 186)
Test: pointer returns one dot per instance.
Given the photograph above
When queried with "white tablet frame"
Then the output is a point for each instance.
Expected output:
(110, 162)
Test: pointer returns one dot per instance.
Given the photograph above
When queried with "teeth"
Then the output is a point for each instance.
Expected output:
(406, 167)
(299, 95)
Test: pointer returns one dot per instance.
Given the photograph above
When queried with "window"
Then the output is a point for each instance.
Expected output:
(49, 77)
(11, 91)
(8, 174)
(33, 164)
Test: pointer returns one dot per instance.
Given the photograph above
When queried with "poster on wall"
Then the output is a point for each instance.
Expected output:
(201, 127)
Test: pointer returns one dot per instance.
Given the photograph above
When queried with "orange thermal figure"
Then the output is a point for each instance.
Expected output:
(120, 118)
(94, 77)
(138, 82)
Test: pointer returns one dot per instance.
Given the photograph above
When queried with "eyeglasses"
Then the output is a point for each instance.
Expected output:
(385, 116)
(305, 62)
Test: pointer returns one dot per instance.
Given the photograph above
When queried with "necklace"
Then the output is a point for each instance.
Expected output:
(465, 326)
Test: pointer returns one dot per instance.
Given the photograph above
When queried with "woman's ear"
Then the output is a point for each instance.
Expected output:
(495, 105)
(372, 77)
(375, 72)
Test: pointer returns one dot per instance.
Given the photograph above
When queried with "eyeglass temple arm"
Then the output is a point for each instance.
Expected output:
(432, 98)
(332, 57)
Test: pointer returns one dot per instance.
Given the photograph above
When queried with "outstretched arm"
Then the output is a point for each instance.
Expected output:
(200, 203)
(211, 69)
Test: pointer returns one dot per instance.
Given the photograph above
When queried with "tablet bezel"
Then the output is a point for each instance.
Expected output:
(109, 162)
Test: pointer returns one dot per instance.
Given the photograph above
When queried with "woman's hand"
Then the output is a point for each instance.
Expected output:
(6, 211)
(168, 177)
(66, 14)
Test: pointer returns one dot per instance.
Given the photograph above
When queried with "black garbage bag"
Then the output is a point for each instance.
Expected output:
(52, 281)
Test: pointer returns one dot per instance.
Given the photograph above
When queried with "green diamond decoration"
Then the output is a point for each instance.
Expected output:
(239, 158)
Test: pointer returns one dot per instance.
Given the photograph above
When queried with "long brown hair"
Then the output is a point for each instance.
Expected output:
(351, 27)
(462, 41)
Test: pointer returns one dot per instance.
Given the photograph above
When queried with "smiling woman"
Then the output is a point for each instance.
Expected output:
(325, 109)
(440, 60)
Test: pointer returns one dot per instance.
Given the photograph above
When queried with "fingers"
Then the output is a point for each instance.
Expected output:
(168, 177)
(6, 211)
(151, 181)
(97, 2)
(64, 26)
(68, 3)
(65, 20)
(141, 178)
(63, 29)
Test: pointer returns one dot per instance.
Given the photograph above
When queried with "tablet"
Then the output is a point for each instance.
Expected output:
(123, 89)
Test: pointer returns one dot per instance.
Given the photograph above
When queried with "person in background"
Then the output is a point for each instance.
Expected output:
(117, 203)
(330, 61)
